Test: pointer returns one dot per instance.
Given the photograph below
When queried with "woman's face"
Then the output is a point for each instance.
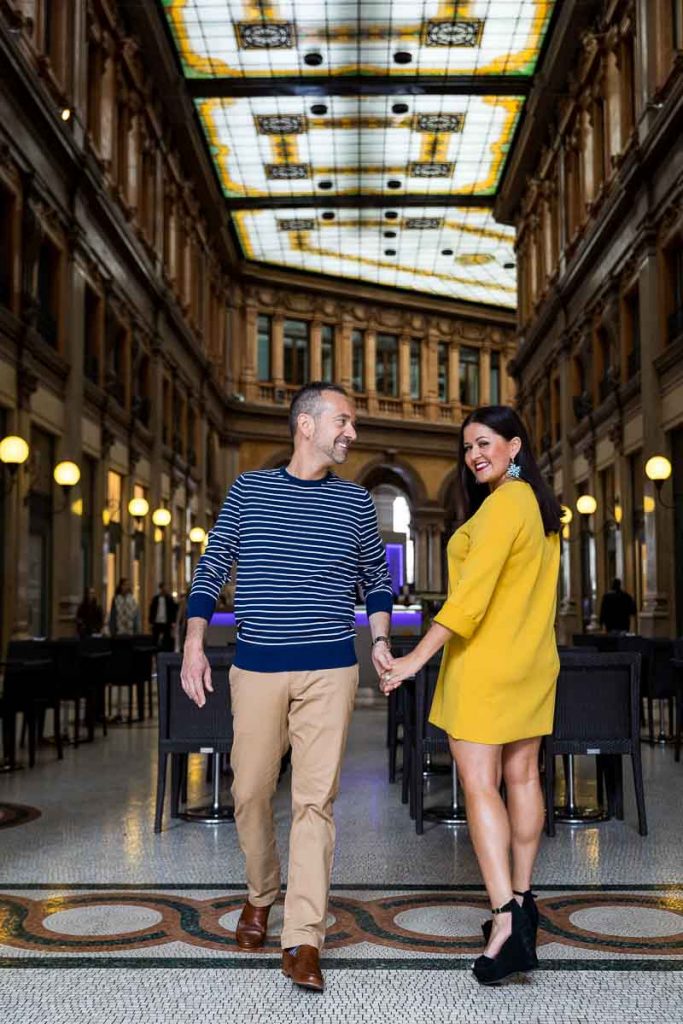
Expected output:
(488, 454)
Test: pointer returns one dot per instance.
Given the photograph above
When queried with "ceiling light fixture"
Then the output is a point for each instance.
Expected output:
(400, 108)
(390, 215)
(393, 183)
(389, 252)
(328, 215)
(319, 109)
(313, 59)
(403, 57)
(325, 184)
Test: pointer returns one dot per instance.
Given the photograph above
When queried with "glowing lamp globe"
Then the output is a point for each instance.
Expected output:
(13, 450)
(658, 468)
(567, 515)
(586, 505)
(197, 535)
(138, 508)
(161, 517)
(66, 474)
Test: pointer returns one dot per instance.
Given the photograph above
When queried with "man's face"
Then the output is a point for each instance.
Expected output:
(334, 427)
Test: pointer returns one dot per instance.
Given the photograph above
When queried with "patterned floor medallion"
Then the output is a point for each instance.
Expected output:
(607, 927)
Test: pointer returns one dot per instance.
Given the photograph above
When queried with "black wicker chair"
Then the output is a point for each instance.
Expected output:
(30, 688)
(185, 728)
(596, 713)
(420, 737)
(396, 708)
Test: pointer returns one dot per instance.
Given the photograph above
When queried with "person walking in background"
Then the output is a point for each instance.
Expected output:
(495, 694)
(162, 616)
(302, 539)
(617, 608)
(124, 616)
(89, 614)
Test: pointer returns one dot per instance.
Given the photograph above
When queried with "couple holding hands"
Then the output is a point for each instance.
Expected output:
(303, 539)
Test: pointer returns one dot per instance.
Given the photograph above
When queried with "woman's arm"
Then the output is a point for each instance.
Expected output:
(433, 640)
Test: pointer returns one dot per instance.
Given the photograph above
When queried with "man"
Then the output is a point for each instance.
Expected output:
(162, 616)
(617, 609)
(303, 539)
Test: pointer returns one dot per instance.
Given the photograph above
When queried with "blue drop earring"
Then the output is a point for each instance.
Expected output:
(514, 471)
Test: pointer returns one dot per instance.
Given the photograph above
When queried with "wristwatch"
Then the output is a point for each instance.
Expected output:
(383, 639)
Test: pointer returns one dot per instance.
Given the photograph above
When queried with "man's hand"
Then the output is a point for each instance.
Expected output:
(195, 674)
(381, 657)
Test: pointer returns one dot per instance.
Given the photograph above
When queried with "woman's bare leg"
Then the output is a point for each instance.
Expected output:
(480, 769)
(525, 807)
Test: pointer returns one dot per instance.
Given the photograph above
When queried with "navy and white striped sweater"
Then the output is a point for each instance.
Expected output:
(301, 548)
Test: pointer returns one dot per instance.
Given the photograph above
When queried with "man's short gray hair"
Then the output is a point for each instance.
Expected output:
(308, 399)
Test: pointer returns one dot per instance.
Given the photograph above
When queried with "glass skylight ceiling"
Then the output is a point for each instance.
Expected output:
(253, 38)
(436, 249)
(439, 145)
(310, 105)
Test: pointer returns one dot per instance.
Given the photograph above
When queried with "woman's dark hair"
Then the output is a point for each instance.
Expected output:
(504, 421)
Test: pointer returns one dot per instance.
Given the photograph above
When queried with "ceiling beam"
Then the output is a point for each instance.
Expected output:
(361, 85)
(355, 201)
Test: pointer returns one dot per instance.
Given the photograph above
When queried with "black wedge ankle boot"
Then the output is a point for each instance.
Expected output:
(517, 954)
(528, 906)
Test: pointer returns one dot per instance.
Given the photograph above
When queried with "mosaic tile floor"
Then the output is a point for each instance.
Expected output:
(103, 922)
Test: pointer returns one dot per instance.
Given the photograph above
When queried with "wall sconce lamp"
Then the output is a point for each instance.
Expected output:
(138, 509)
(658, 469)
(66, 474)
(161, 517)
(197, 535)
(586, 505)
(14, 452)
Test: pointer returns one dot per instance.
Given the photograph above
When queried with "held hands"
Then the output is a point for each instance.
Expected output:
(401, 668)
(195, 674)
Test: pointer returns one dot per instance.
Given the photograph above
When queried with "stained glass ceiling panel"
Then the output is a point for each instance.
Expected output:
(292, 146)
(304, 38)
(456, 253)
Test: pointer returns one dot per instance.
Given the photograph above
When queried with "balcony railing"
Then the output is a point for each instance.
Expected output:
(446, 413)
(393, 406)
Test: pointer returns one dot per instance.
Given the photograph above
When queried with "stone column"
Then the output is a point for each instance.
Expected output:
(343, 353)
(315, 341)
(430, 381)
(569, 612)
(404, 373)
(508, 384)
(68, 563)
(155, 561)
(15, 611)
(277, 351)
(656, 617)
(250, 383)
(485, 375)
(436, 581)
(371, 369)
(420, 538)
(454, 381)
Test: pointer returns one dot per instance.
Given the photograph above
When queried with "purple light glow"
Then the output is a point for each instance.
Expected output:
(402, 619)
(395, 564)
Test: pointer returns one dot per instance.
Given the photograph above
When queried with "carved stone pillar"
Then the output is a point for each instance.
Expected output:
(16, 611)
(508, 384)
(404, 373)
(431, 379)
(485, 374)
(344, 353)
(277, 351)
(316, 364)
(569, 619)
(68, 565)
(371, 369)
(454, 381)
(250, 384)
(655, 618)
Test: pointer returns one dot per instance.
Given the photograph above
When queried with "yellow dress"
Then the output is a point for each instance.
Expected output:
(498, 673)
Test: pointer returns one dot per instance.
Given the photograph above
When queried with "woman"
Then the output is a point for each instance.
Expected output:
(495, 694)
(124, 616)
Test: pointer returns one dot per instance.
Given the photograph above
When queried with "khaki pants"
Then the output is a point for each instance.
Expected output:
(311, 711)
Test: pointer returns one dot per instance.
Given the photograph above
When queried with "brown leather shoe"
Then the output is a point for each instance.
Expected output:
(252, 926)
(303, 967)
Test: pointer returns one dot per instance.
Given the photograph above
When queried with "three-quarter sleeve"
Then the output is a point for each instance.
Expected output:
(492, 533)
(215, 565)
(373, 573)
